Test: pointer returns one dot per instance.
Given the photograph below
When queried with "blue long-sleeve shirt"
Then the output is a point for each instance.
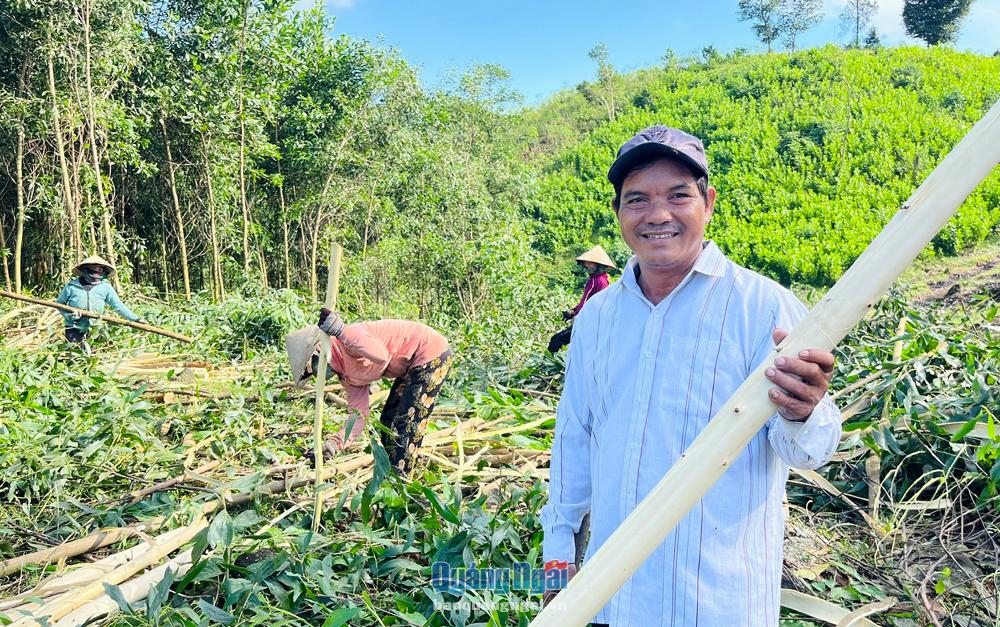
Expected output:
(642, 381)
(94, 299)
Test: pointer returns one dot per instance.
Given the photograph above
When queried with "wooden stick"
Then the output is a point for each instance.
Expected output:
(332, 286)
(138, 495)
(90, 314)
(748, 410)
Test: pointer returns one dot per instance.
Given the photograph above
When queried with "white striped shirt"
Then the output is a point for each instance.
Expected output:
(641, 383)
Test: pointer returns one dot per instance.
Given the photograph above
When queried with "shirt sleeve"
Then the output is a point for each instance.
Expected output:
(808, 444)
(357, 397)
(569, 472)
(358, 342)
(117, 304)
(63, 297)
(588, 290)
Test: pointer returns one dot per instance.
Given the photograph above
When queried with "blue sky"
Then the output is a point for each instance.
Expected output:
(544, 43)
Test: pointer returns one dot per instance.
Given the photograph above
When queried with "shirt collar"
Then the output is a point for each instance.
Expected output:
(710, 262)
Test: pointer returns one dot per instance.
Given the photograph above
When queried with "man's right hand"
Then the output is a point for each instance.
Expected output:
(568, 314)
(551, 594)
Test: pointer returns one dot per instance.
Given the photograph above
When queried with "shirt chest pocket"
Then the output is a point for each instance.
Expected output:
(696, 376)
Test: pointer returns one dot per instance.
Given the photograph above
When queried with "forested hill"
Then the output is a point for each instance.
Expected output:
(811, 152)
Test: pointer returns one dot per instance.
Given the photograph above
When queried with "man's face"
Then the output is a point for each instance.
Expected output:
(662, 216)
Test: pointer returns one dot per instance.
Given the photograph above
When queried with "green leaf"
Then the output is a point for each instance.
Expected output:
(220, 532)
(215, 614)
(246, 519)
(965, 430)
(158, 594)
(116, 595)
(445, 512)
(340, 616)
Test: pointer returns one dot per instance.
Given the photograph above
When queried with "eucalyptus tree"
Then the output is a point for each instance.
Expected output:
(856, 16)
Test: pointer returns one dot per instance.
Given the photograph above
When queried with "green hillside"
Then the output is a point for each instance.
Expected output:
(811, 152)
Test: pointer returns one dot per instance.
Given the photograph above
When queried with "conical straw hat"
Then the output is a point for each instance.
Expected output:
(300, 346)
(597, 255)
(94, 260)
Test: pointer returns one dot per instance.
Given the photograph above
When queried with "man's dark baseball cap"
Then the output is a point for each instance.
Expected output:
(657, 141)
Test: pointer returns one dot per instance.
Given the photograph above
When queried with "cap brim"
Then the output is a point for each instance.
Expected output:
(644, 152)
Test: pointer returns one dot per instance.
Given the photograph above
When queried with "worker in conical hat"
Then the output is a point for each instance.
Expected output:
(597, 263)
(415, 355)
(90, 290)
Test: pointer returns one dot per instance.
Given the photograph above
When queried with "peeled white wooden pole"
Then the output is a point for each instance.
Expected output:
(746, 412)
(332, 287)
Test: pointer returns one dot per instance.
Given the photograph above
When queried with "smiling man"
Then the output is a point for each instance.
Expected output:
(653, 357)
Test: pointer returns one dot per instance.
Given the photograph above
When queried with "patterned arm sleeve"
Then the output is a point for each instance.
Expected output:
(810, 444)
(569, 473)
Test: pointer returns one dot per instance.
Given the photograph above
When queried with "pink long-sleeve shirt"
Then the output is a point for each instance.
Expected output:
(595, 283)
(367, 351)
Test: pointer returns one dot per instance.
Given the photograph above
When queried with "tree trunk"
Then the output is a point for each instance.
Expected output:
(243, 185)
(217, 279)
(109, 242)
(91, 231)
(3, 246)
(163, 259)
(177, 212)
(19, 236)
(314, 257)
(284, 219)
(263, 269)
(70, 205)
(288, 268)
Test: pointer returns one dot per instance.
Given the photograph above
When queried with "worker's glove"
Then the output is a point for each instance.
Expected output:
(568, 314)
(330, 323)
(141, 321)
(77, 315)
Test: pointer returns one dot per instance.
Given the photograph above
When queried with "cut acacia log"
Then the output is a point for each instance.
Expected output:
(66, 603)
(92, 542)
(90, 314)
(749, 408)
(134, 590)
(81, 575)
